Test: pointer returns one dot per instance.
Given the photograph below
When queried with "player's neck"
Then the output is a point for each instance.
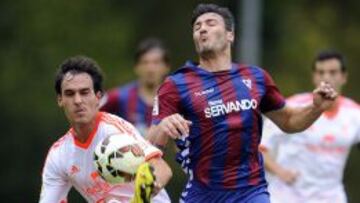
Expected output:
(335, 106)
(147, 92)
(82, 131)
(217, 62)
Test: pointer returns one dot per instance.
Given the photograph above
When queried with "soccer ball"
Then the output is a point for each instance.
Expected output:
(117, 158)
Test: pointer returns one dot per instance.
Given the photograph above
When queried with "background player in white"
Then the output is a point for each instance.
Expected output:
(69, 162)
(309, 167)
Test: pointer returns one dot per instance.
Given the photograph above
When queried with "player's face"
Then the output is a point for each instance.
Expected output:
(329, 71)
(210, 34)
(78, 99)
(151, 67)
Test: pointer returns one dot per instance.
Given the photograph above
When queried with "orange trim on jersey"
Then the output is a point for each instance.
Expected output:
(89, 139)
(107, 119)
(122, 127)
(330, 114)
(153, 155)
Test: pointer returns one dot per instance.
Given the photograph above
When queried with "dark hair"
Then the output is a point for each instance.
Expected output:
(330, 54)
(76, 65)
(149, 44)
(213, 8)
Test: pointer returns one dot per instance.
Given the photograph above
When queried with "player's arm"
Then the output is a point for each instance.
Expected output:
(173, 126)
(161, 171)
(295, 119)
(271, 139)
(54, 187)
(167, 122)
(286, 175)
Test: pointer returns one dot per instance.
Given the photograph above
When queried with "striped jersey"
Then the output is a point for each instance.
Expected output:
(70, 163)
(221, 151)
(126, 102)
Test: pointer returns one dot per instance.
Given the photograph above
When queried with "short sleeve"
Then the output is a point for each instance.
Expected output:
(110, 102)
(150, 151)
(272, 99)
(271, 135)
(55, 185)
(166, 102)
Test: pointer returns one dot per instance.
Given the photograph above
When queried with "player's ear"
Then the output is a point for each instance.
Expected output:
(59, 100)
(98, 95)
(231, 36)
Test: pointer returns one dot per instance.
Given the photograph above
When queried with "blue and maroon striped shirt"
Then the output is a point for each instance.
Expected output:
(126, 102)
(225, 108)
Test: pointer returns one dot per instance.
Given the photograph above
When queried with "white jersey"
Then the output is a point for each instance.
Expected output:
(318, 154)
(70, 163)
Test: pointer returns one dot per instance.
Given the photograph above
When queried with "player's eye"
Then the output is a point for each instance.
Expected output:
(69, 93)
(320, 72)
(211, 22)
(197, 26)
(333, 72)
(85, 92)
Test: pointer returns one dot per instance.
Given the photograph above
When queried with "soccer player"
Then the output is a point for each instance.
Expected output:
(134, 101)
(214, 110)
(78, 86)
(309, 166)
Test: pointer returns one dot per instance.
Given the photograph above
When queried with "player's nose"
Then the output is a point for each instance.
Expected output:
(77, 99)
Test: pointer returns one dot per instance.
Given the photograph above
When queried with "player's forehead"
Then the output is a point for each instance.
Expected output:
(76, 81)
(328, 65)
(209, 16)
(152, 54)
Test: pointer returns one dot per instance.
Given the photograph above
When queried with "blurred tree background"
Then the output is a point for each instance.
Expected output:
(37, 35)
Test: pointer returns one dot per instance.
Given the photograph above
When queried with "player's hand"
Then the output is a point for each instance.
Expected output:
(324, 96)
(145, 184)
(175, 126)
(288, 176)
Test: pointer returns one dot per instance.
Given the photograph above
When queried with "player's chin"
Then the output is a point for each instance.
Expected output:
(81, 120)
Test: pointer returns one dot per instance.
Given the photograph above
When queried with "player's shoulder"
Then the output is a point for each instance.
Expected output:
(123, 88)
(176, 78)
(250, 67)
(109, 118)
(60, 146)
(253, 71)
(116, 124)
(349, 104)
(178, 75)
(128, 86)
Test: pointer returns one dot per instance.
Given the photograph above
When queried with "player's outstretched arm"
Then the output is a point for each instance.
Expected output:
(162, 173)
(295, 119)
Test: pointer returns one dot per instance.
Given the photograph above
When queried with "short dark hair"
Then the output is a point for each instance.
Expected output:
(213, 8)
(330, 54)
(76, 65)
(150, 44)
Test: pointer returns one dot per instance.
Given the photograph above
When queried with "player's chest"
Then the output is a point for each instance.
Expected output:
(219, 97)
(330, 135)
(82, 173)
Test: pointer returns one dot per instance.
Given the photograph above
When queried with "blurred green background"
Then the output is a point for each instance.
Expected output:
(35, 36)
